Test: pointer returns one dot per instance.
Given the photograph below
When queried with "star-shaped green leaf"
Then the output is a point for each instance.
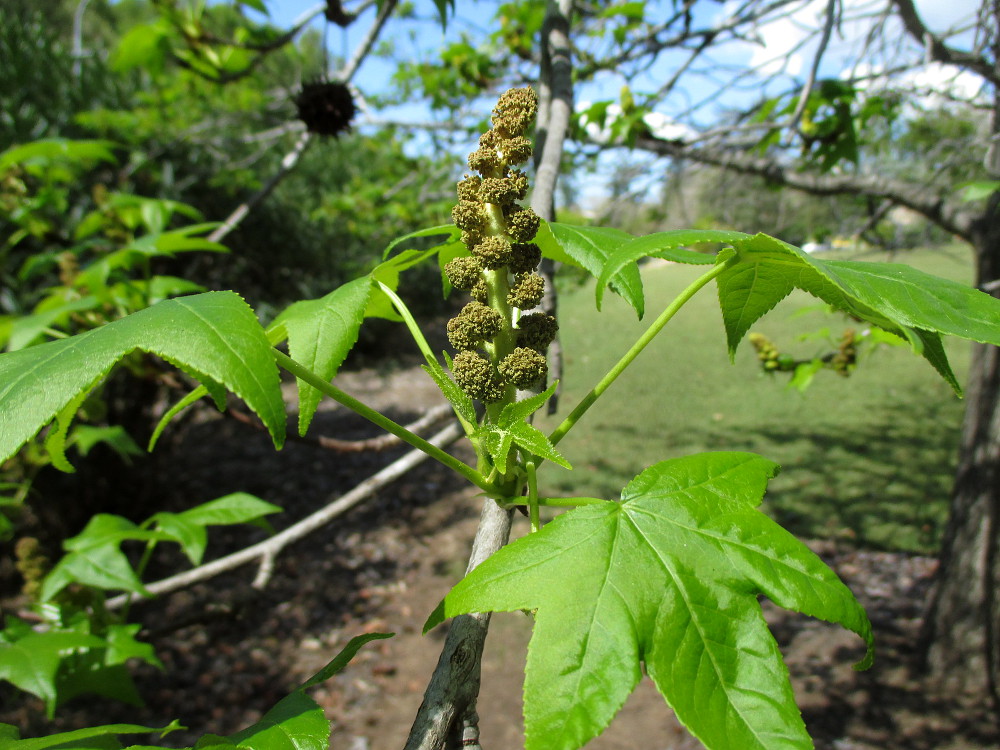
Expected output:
(667, 578)
(511, 429)
(914, 305)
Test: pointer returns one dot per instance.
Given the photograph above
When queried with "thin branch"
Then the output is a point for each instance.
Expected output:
(938, 50)
(375, 444)
(447, 717)
(288, 163)
(913, 196)
(267, 550)
(291, 159)
(800, 108)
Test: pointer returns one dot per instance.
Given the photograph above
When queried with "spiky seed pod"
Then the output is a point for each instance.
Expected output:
(524, 257)
(493, 251)
(465, 272)
(326, 107)
(527, 291)
(515, 111)
(536, 331)
(523, 225)
(468, 215)
(476, 377)
(468, 188)
(515, 150)
(523, 367)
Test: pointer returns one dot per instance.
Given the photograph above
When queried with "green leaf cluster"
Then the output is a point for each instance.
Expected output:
(83, 648)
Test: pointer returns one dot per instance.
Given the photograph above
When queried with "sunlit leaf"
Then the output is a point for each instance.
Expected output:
(667, 579)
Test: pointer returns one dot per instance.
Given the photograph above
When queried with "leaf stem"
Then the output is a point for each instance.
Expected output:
(411, 323)
(574, 416)
(307, 375)
(569, 502)
(533, 497)
(421, 342)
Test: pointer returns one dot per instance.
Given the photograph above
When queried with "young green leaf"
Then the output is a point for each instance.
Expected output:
(188, 527)
(31, 663)
(215, 337)
(668, 578)
(320, 333)
(901, 300)
(342, 659)
(666, 245)
(459, 399)
(511, 429)
(589, 248)
(77, 738)
(295, 723)
(94, 557)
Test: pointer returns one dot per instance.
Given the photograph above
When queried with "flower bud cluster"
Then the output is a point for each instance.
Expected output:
(499, 348)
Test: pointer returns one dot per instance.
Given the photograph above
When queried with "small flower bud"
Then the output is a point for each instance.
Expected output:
(523, 225)
(519, 182)
(498, 190)
(524, 257)
(468, 188)
(475, 324)
(536, 331)
(515, 111)
(515, 150)
(494, 252)
(472, 238)
(527, 291)
(468, 215)
(464, 272)
(485, 161)
(523, 367)
(480, 292)
(486, 321)
(476, 377)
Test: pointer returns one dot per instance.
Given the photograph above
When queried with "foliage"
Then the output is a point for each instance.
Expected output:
(684, 517)
(81, 646)
(296, 722)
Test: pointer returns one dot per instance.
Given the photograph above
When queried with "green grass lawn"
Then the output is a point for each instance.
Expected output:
(867, 458)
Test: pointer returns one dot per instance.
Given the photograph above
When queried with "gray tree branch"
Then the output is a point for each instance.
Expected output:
(916, 197)
(447, 717)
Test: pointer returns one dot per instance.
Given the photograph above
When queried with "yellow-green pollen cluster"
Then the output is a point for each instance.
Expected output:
(500, 349)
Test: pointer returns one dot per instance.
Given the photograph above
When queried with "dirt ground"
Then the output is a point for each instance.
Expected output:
(231, 651)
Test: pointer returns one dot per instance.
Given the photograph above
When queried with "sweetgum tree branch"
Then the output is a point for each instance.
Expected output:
(291, 159)
(447, 717)
(267, 550)
(938, 50)
(918, 197)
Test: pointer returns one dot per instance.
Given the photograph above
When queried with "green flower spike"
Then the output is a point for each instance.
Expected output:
(499, 349)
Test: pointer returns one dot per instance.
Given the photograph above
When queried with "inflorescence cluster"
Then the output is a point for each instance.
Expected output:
(500, 272)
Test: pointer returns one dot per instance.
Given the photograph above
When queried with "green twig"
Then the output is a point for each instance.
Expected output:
(533, 497)
(308, 376)
(569, 502)
(567, 424)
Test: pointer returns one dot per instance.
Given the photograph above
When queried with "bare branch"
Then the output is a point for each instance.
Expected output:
(291, 159)
(375, 444)
(915, 197)
(938, 50)
(267, 550)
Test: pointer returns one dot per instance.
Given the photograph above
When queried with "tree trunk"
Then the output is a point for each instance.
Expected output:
(962, 628)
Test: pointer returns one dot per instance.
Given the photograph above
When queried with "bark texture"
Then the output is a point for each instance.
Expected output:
(962, 627)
